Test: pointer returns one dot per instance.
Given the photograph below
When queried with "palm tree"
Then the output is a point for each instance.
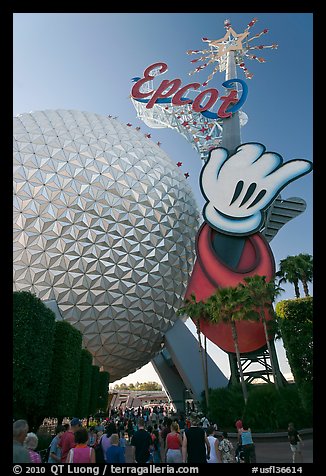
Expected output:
(196, 310)
(227, 305)
(305, 270)
(289, 272)
(297, 268)
(260, 294)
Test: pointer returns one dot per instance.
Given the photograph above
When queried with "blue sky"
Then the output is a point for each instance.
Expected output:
(85, 61)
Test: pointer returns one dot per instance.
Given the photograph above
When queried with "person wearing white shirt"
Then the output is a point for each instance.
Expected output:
(215, 455)
(204, 422)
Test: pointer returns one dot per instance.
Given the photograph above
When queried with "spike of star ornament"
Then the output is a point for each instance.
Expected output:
(240, 43)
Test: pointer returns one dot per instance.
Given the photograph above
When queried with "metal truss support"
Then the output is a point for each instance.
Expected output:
(256, 365)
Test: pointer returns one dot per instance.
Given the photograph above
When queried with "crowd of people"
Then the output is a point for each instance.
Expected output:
(153, 434)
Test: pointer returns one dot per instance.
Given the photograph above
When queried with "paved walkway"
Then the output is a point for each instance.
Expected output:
(280, 452)
(270, 451)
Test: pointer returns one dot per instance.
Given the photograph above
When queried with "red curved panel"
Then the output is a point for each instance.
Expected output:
(210, 273)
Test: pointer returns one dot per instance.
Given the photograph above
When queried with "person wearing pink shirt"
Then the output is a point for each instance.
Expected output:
(30, 443)
(81, 453)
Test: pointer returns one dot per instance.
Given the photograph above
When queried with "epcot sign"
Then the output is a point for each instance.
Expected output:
(170, 91)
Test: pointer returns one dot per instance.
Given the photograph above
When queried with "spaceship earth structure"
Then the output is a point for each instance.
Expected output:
(105, 225)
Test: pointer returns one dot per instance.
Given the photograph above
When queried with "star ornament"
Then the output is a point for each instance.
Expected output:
(239, 43)
(231, 41)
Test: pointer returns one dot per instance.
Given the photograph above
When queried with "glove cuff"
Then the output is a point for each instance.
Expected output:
(232, 225)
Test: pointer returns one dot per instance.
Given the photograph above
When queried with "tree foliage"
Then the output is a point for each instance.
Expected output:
(103, 389)
(33, 337)
(272, 410)
(84, 384)
(93, 400)
(267, 409)
(228, 305)
(65, 375)
(295, 320)
(305, 271)
(225, 406)
(53, 375)
(294, 269)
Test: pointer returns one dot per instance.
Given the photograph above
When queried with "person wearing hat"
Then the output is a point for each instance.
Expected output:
(68, 438)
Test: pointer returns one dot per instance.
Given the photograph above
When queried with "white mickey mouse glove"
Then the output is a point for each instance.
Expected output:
(239, 188)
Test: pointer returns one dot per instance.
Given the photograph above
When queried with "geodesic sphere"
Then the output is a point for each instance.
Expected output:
(105, 224)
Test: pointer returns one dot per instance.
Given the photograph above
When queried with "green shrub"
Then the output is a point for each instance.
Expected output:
(33, 338)
(306, 394)
(103, 389)
(295, 320)
(267, 409)
(94, 390)
(84, 384)
(225, 406)
(64, 386)
(271, 410)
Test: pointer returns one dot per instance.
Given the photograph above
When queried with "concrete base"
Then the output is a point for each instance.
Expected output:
(180, 369)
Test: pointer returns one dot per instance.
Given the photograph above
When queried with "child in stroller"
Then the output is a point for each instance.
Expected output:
(239, 453)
